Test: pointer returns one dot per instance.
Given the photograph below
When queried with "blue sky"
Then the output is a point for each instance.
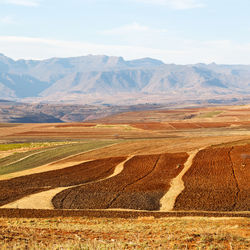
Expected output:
(175, 31)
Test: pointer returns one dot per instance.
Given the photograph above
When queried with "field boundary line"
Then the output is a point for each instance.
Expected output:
(177, 185)
(104, 213)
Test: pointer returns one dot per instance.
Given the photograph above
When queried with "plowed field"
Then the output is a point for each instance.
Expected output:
(101, 195)
(217, 181)
(240, 156)
(144, 180)
(16, 188)
(147, 192)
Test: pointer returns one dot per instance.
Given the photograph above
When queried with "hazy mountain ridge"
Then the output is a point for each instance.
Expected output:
(103, 79)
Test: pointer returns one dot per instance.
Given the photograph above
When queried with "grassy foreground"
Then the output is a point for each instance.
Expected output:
(141, 233)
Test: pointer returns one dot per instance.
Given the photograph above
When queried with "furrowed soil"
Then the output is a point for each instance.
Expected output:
(216, 181)
(146, 193)
(240, 156)
(102, 194)
(140, 186)
(17, 188)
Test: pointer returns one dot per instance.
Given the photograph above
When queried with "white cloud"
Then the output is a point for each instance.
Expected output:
(29, 3)
(184, 52)
(176, 4)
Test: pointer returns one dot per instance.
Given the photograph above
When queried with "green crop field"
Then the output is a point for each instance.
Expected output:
(39, 158)
(209, 114)
(27, 145)
(31, 147)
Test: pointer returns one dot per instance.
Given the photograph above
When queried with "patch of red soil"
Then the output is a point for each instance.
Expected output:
(213, 124)
(75, 125)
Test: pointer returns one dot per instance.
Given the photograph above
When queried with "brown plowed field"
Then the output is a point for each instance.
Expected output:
(75, 125)
(214, 124)
(101, 195)
(147, 192)
(141, 185)
(240, 156)
(16, 188)
(211, 184)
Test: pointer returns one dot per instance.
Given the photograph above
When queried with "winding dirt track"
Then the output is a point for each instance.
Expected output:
(43, 200)
(177, 186)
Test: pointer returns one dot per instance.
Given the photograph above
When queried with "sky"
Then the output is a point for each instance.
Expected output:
(174, 31)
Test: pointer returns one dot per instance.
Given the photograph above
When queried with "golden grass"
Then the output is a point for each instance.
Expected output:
(141, 233)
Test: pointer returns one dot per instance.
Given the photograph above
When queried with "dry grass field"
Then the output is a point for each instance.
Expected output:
(117, 233)
(141, 165)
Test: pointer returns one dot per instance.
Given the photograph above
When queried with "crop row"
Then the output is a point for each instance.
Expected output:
(41, 157)
(218, 180)
(240, 156)
(17, 188)
(146, 193)
(141, 185)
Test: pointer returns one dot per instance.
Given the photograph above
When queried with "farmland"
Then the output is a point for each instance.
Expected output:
(155, 164)
(221, 184)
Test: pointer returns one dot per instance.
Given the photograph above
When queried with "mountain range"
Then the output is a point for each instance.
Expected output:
(112, 80)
